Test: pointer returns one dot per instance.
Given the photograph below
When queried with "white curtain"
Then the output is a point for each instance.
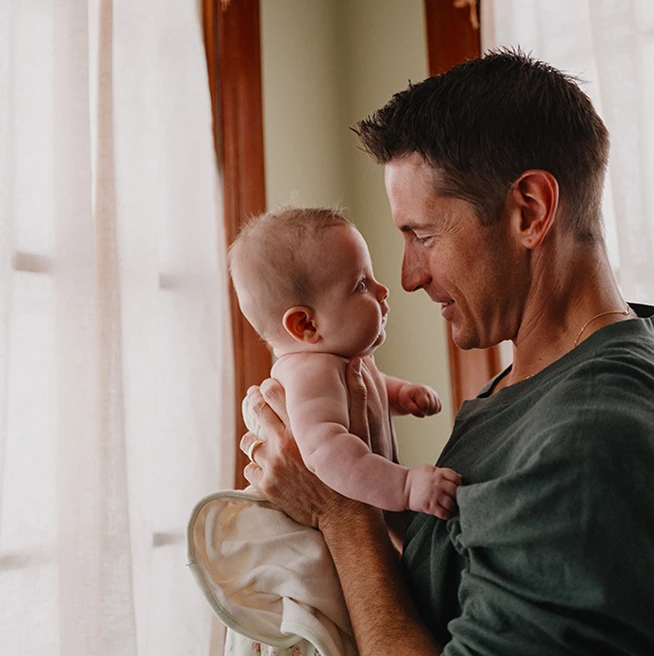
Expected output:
(610, 45)
(115, 354)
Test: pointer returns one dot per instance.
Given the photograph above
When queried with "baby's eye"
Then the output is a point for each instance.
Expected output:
(361, 287)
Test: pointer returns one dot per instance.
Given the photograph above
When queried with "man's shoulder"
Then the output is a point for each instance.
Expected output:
(614, 368)
(614, 375)
(599, 409)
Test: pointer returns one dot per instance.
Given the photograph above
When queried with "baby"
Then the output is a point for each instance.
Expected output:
(304, 281)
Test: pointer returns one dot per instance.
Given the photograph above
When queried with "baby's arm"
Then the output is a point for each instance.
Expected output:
(406, 398)
(317, 405)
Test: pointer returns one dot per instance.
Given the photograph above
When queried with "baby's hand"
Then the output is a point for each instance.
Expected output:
(432, 490)
(418, 400)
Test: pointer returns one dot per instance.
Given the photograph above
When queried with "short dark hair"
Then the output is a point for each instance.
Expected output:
(484, 122)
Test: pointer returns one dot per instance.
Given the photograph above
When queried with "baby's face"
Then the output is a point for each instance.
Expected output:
(351, 309)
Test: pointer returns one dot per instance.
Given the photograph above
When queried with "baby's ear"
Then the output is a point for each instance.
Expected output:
(299, 323)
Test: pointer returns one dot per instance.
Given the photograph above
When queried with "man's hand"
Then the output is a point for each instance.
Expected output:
(418, 400)
(277, 470)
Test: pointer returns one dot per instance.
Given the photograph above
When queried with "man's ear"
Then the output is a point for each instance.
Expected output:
(300, 324)
(534, 201)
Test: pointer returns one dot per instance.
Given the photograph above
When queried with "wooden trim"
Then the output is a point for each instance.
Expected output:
(233, 47)
(451, 39)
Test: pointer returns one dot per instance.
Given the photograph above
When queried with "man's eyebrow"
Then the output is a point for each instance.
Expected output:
(407, 227)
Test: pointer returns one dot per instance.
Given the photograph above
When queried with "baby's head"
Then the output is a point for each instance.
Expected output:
(304, 280)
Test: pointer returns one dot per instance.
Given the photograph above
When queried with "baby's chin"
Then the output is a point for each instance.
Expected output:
(381, 338)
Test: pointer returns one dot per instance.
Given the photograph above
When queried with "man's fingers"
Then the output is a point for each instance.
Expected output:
(358, 398)
(268, 420)
(247, 441)
(274, 394)
(367, 409)
(252, 473)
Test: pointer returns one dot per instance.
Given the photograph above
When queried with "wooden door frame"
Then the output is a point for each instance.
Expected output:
(233, 47)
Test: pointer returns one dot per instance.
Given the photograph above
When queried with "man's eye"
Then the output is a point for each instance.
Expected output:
(424, 240)
(361, 287)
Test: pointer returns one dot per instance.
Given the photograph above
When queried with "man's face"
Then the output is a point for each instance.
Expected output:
(462, 265)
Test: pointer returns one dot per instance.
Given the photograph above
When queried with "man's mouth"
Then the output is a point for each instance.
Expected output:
(445, 309)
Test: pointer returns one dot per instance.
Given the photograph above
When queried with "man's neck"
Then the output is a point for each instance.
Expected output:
(564, 308)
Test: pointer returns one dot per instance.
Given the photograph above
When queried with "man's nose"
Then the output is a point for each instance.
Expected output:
(414, 274)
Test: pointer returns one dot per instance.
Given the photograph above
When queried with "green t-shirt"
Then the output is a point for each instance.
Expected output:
(552, 550)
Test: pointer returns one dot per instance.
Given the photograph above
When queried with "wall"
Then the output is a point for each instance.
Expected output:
(326, 64)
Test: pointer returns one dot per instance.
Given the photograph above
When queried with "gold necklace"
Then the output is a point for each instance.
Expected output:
(597, 316)
(520, 380)
(581, 332)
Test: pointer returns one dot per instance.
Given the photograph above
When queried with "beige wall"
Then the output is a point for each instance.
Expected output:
(327, 63)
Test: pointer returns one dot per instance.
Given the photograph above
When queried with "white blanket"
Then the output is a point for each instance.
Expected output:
(268, 578)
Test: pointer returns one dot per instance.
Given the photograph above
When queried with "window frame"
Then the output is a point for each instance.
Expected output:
(233, 48)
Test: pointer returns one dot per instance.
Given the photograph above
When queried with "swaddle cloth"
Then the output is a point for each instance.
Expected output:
(268, 578)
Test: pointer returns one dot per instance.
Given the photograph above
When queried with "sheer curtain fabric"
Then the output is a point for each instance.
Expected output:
(610, 45)
(116, 363)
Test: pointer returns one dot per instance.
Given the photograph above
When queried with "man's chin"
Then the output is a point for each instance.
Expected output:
(464, 340)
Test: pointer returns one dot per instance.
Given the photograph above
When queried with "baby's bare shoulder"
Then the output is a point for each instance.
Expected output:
(290, 367)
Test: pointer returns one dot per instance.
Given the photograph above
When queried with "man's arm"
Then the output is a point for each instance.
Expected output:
(383, 616)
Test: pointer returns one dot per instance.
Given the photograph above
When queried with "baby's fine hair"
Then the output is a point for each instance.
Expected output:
(272, 249)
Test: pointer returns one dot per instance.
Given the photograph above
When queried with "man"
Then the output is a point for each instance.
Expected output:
(494, 172)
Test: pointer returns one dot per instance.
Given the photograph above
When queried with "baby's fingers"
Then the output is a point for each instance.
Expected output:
(448, 488)
(412, 404)
(450, 475)
(435, 406)
(421, 399)
(448, 503)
